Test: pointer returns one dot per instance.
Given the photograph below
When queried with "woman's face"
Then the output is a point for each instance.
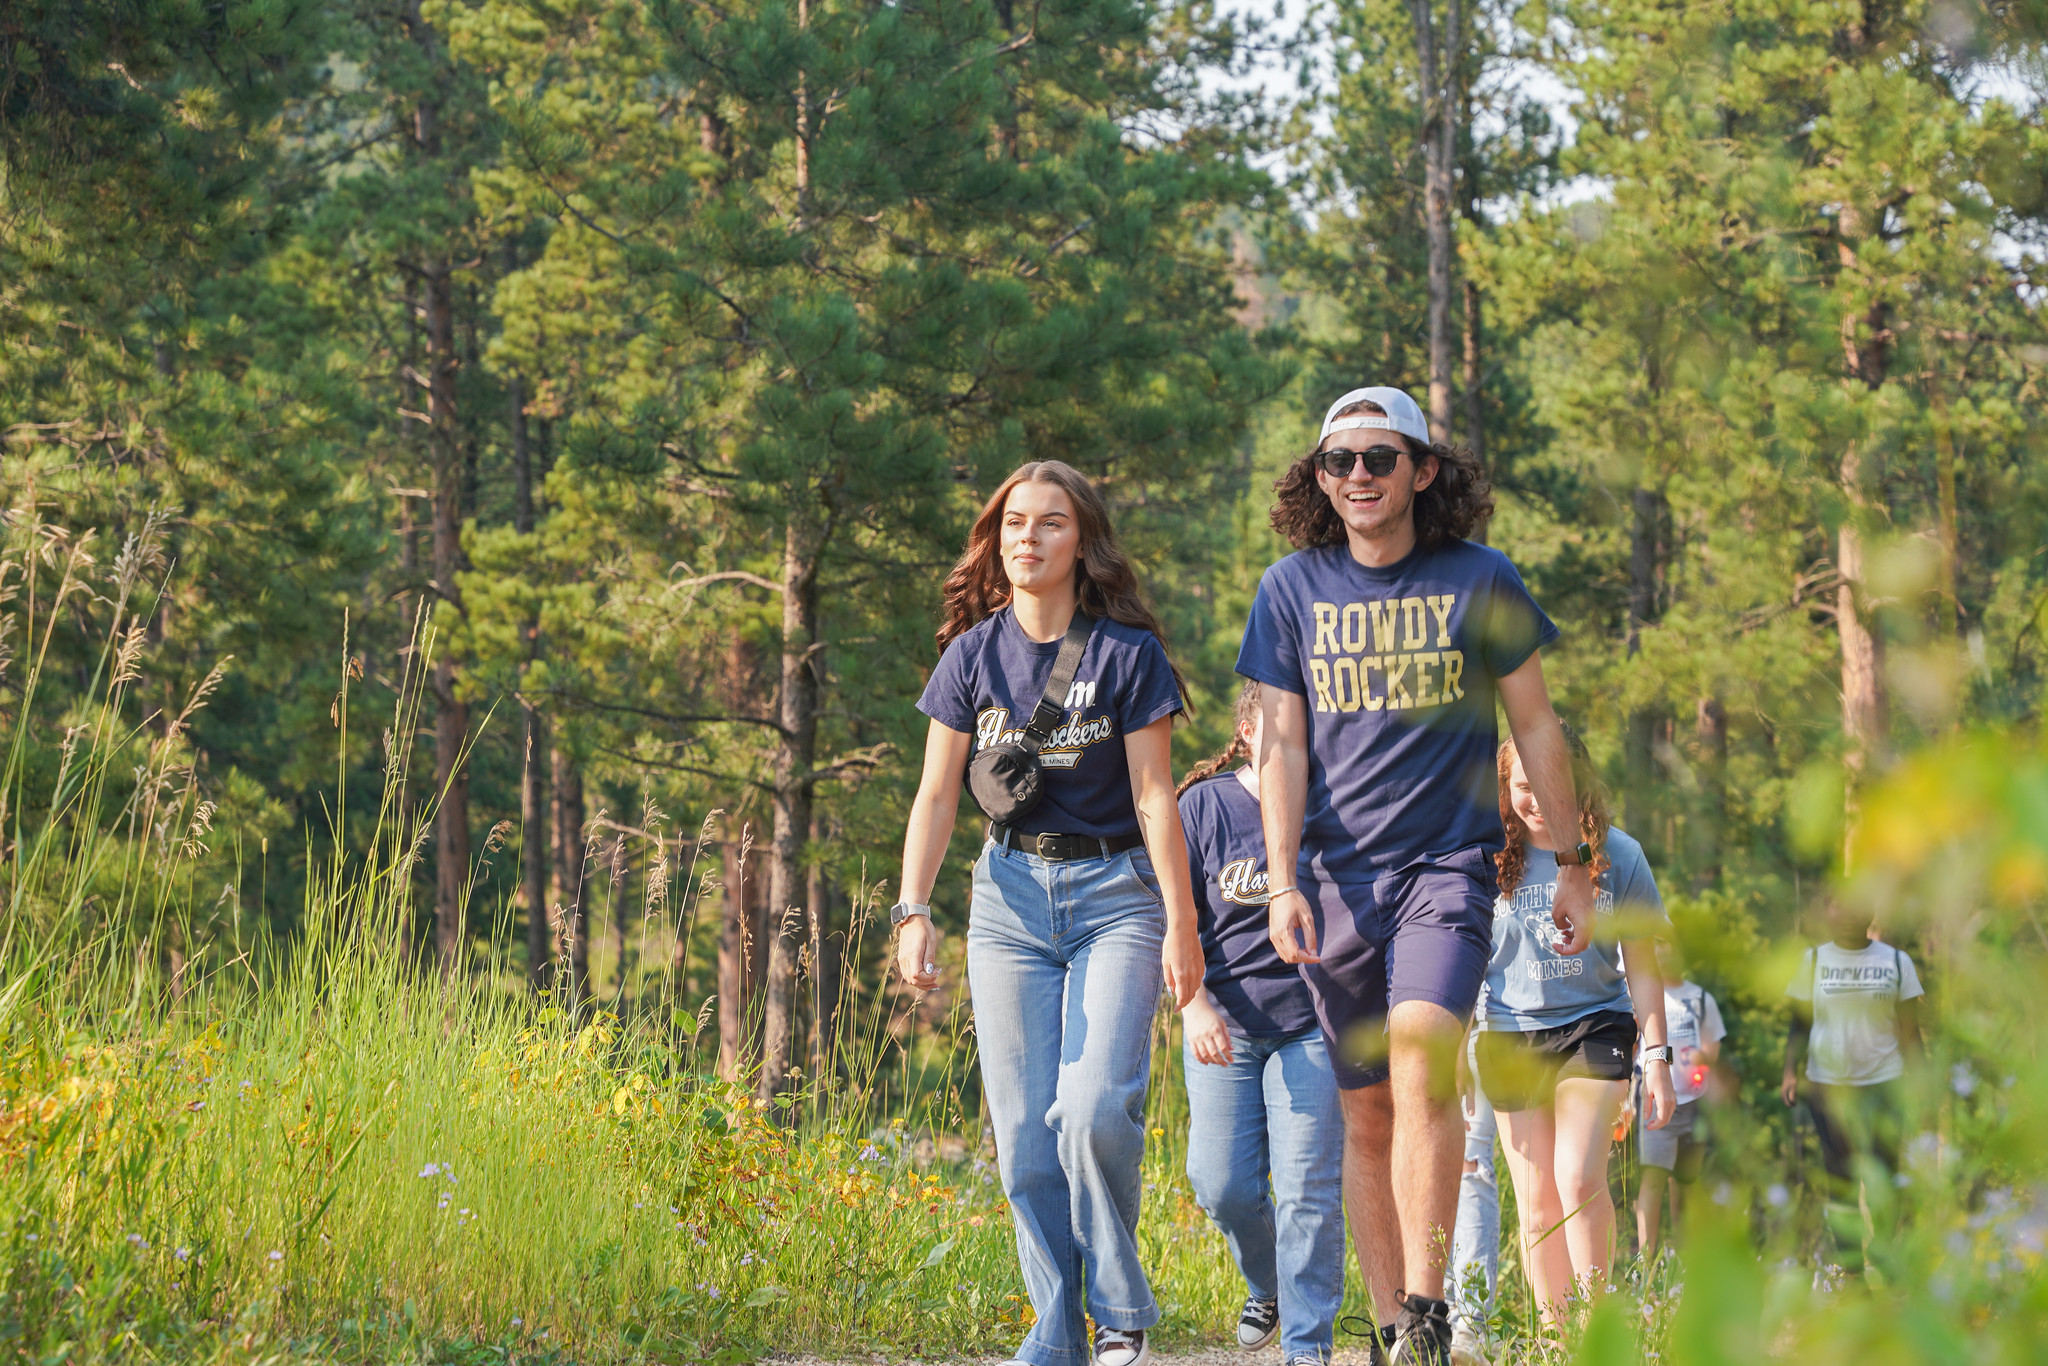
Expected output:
(1523, 799)
(1041, 538)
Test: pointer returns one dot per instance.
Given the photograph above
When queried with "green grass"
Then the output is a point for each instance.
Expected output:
(310, 1149)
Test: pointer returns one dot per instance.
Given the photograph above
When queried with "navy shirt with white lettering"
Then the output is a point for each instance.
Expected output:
(1529, 984)
(990, 680)
(1398, 667)
(1255, 991)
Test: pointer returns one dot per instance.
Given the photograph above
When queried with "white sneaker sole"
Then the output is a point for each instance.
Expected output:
(1143, 1357)
(1257, 1343)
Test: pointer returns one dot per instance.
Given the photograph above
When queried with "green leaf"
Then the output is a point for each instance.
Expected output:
(766, 1295)
(936, 1255)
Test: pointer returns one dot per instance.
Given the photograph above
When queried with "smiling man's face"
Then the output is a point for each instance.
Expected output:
(1376, 507)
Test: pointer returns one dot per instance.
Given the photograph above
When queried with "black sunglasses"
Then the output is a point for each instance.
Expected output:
(1379, 461)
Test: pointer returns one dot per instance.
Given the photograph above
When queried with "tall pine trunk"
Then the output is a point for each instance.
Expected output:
(1866, 710)
(732, 952)
(435, 279)
(533, 846)
(572, 883)
(1439, 148)
(1645, 566)
(795, 755)
(533, 808)
(451, 714)
(1709, 827)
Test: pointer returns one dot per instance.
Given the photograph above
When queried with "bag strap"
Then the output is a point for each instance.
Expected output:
(1052, 708)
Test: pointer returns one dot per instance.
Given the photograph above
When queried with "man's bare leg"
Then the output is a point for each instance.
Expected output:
(1428, 1138)
(1369, 1193)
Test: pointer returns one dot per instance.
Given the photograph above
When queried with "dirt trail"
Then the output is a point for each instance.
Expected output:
(1186, 1356)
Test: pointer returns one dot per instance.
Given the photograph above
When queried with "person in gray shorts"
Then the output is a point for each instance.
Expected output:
(1692, 1019)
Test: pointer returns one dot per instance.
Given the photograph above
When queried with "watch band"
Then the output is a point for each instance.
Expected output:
(1579, 855)
(903, 910)
(1657, 1053)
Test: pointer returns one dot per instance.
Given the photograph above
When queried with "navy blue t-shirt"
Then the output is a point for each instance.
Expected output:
(1257, 993)
(1398, 667)
(990, 680)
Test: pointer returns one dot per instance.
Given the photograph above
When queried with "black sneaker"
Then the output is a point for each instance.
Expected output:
(1422, 1333)
(1258, 1323)
(1377, 1339)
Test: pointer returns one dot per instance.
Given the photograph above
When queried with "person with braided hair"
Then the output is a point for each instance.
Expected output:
(1265, 1139)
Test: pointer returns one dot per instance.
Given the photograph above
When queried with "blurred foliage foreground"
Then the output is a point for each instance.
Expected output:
(316, 1150)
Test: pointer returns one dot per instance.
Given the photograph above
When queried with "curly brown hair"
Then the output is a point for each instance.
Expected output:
(1454, 505)
(1513, 859)
(1106, 584)
(1242, 715)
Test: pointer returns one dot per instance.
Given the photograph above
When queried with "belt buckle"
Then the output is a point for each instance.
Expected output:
(1038, 845)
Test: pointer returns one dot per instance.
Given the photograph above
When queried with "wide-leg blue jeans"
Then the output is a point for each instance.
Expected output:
(1063, 959)
(1266, 1157)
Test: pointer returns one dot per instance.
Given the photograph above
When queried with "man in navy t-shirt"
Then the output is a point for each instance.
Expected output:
(1383, 644)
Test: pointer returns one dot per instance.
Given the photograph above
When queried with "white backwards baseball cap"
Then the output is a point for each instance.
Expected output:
(1403, 414)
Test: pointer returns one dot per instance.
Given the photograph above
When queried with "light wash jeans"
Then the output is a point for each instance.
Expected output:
(1063, 962)
(1266, 1156)
(1476, 1239)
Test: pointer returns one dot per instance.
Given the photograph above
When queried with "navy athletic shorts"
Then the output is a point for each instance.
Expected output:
(1418, 933)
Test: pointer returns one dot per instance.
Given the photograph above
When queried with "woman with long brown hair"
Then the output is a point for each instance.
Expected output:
(1079, 900)
(1558, 1033)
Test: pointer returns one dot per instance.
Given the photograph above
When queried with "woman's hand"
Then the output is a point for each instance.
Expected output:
(1181, 957)
(1659, 1101)
(917, 952)
(1207, 1035)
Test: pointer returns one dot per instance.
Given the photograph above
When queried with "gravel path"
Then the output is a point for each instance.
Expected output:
(1199, 1356)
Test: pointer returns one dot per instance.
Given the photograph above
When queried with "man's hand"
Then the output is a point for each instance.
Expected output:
(1182, 959)
(1788, 1091)
(1572, 911)
(1288, 916)
(1208, 1037)
(917, 952)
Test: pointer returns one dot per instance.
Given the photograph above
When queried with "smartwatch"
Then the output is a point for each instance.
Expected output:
(1579, 855)
(903, 910)
(1658, 1053)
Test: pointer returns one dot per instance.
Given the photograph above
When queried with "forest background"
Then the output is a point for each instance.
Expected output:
(549, 423)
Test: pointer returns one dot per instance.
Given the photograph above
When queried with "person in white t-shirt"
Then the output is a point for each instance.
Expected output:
(1693, 1024)
(1856, 1021)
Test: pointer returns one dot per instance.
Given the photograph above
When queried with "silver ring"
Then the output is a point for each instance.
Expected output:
(930, 968)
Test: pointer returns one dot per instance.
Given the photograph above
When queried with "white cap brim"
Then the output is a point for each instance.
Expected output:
(1403, 414)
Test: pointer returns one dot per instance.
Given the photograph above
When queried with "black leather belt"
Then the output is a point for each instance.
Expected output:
(1063, 848)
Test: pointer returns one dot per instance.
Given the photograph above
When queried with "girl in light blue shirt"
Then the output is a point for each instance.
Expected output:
(1559, 1032)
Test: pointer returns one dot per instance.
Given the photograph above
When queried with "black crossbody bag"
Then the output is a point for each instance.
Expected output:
(1006, 780)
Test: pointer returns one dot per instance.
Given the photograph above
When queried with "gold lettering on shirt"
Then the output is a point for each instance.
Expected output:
(1454, 671)
(1384, 613)
(1326, 627)
(1425, 686)
(1344, 683)
(1414, 633)
(1365, 684)
(1354, 627)
(1319, 674)
(1441, 607)
(1397, 680)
